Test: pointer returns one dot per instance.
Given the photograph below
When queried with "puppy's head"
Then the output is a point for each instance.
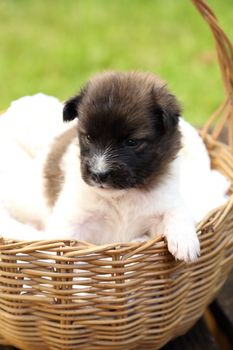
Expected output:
(127, 129)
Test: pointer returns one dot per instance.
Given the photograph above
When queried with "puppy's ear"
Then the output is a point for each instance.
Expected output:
(166, 108)
(70, 110)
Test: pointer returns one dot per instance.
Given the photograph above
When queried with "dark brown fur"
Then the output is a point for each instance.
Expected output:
(114, 108)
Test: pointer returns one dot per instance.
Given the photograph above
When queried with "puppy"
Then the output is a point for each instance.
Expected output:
(114, 175)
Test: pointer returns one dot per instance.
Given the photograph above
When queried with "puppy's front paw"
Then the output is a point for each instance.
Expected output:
(184, 244)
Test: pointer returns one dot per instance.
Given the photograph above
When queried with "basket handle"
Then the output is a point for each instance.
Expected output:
(224, 114)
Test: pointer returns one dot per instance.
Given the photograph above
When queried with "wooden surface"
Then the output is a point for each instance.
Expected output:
(222, 310)
(199, 338)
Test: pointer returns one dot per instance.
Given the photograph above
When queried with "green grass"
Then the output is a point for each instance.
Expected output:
(54, 46)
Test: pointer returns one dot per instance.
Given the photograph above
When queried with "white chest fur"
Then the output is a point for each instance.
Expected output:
(103, 220)
(101, 216)
(121, 218)
(104, 216)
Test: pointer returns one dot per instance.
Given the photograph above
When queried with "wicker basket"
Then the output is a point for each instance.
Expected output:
(73, 295)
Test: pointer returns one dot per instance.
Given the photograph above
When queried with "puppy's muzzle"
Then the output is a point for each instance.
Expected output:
(101, 177)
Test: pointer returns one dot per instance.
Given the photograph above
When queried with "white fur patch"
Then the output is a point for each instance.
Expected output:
(98, 163)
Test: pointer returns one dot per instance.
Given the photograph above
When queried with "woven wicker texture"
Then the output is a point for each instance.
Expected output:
(73, 295)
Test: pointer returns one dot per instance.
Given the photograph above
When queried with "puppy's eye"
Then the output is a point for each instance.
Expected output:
(87, 138)
(132, 143)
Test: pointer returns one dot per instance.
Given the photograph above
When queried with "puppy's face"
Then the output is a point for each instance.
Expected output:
(127, 129)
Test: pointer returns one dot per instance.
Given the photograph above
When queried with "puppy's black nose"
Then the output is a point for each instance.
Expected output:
(101, 177)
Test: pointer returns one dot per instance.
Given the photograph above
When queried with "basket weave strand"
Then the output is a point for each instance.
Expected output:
(224, 50)
(68, 295)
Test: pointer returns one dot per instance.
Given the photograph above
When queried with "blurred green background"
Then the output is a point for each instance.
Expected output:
(53, 46)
